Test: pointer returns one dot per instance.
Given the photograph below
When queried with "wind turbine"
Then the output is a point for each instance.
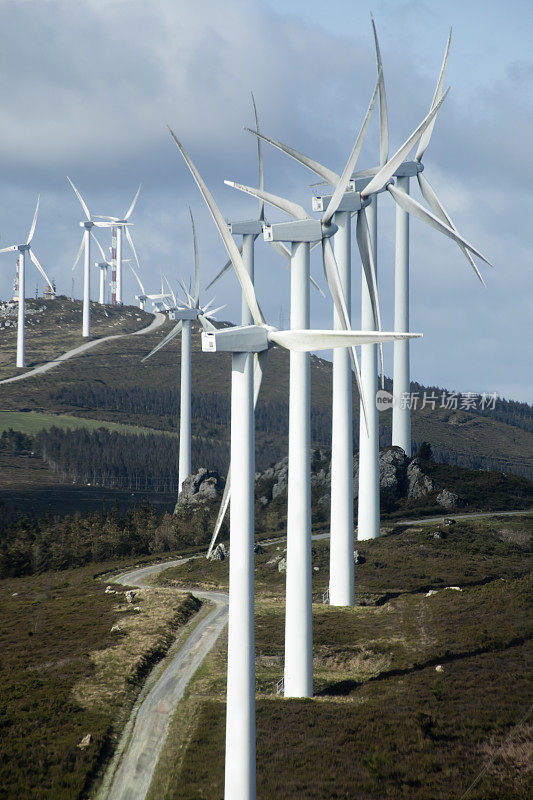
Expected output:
(243, 342)
(22, 250)
(88, 224)
(339, 208)
(186, 314)
(121, 224)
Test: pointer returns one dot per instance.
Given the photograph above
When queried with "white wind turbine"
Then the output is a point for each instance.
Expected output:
(22, 250)
(121, 224)
(186, 314)
(88, 224)
(243, 342)
(339, 208)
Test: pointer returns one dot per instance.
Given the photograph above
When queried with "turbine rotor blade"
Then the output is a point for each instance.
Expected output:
(352, 161)
(104, 257)
(9, 249)
(367, 259)
(82, 201)
(134, 251)
(34, 223)
(410, 205)
(295, 210)
(204, 322)
(79, 253)
(387, 171)
(176, 330)
(224, 269)
(130, 209)
(334, 283)
(426, 136)
(196, 264)
(39, 267)
(259, 162)
(429, 195)
(306, 341)
(383, 116)
(323, 172)
(227, 238)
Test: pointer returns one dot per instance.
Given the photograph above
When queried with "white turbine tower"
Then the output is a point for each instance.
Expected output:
(243, 342)
(22, 250)
(121, 224)
(186, 314)
(88, 224)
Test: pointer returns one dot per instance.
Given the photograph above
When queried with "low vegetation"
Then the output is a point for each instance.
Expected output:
(67, 675)
(417, 696)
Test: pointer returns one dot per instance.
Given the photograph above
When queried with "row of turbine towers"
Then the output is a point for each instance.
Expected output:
(355, 193)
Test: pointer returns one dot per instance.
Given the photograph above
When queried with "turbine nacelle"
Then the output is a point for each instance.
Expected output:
(300, 230)
(351, 201)
(87, 224)
(252, 226)
(184, 313)
(240, 339)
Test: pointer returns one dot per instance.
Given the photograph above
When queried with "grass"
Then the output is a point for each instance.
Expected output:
(414, 695)
(64, 674)
(31, 422)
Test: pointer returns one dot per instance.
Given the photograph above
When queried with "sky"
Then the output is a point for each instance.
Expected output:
(87, 89)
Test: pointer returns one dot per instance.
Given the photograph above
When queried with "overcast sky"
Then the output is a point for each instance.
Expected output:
(87, 88)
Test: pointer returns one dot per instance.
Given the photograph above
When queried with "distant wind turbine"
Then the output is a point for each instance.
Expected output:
(22, 250)
(121, 224)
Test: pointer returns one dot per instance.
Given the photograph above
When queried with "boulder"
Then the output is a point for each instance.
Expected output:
(419, 484)
(85, 742)
(392, 471)
(200, 487)
(358, 558)
(219, 553)
(282, 565)
(449, 500)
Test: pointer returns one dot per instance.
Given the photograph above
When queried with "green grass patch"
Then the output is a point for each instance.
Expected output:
(31, 422)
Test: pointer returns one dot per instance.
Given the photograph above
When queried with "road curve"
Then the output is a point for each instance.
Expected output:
(156, 323)
(131, 771)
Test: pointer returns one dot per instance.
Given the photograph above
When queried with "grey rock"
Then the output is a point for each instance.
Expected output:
(200, 487)
(358, 558)
(219, 553)
(419, 484)
(449, 500)
(282, 565)
(392, 470)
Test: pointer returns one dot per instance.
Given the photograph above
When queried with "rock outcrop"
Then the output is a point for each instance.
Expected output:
(200, 487)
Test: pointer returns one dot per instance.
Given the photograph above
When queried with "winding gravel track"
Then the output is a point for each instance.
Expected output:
(131, 772)
(156, 323)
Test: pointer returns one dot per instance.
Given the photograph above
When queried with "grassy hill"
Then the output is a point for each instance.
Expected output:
(110, 384)
(417, 695)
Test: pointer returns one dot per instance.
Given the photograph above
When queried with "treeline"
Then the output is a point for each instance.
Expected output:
(54, 543)
(110, 459)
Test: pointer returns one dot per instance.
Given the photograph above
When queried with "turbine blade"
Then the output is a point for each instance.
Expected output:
(426, 136)
(224, 269)
(282, 249)
(410, 205)
(352, 160)
(39, 267)
(429, 195)
(130, 209)
(214, 311)
(227, 238)
(172, 295)
(176, 330)
(34, 223)
(134, 251)
(188, 297)
(9, 249)
(383, 116)
(323, 172)
(196, 264)
(295, 210)
(80, 198)
(259, 162)
(367, 259)
(334, 284)
(317, 287)
(104, 257)
(306, 341)
(79, 253)
(386, 172)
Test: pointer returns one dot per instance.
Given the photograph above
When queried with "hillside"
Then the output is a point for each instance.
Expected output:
(54, 326)
(111, 384)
